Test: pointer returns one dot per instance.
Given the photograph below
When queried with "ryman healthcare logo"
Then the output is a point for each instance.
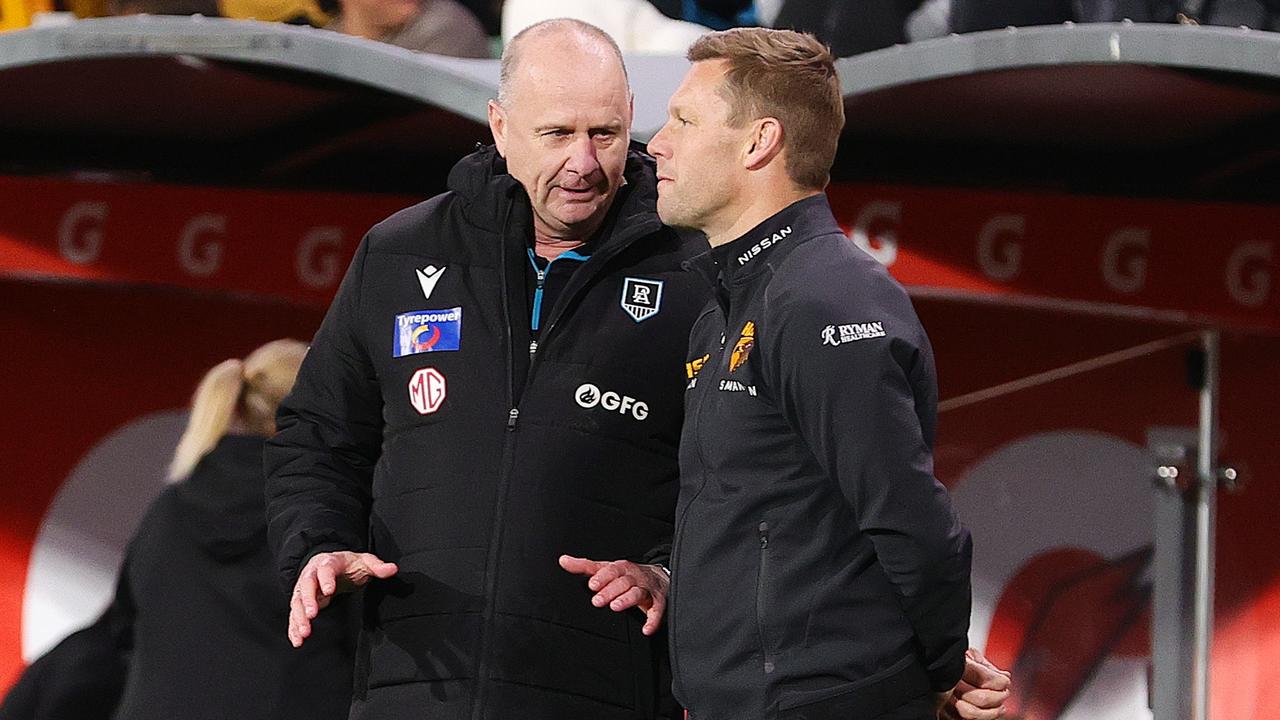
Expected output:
(763, 245)
(835, 335)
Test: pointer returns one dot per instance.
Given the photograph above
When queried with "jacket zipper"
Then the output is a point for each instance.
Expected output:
(508, 452)
(696, 420)
(761, 583)
(508, 460)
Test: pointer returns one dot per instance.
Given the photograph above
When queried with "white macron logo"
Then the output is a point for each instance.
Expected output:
(763, 245)
(589, 396)
(428, 277)
(835, 335)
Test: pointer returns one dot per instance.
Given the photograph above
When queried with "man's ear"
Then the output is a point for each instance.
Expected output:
(498, 126)
(763, 144)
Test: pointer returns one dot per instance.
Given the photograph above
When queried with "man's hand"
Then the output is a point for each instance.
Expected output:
(622, 584)
(981, 692)
(326, 575)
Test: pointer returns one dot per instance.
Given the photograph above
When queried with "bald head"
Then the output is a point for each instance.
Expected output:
(554, 46)
(562, 121)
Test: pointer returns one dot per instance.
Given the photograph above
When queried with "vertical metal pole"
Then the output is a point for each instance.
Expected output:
(1206, 506)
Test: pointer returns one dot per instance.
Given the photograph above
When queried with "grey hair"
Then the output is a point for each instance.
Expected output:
(511, 53)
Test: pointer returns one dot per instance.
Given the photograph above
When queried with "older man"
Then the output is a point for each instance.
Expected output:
(498, 383)
(820, 572)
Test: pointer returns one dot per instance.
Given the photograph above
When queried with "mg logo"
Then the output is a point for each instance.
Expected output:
(427, 390)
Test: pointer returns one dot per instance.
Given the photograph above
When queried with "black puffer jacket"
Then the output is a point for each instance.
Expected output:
(424, 429)
(201, 612)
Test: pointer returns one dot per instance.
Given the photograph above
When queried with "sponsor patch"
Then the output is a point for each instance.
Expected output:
(424, 331)
(727, 385)
(693, 367)
(427, 390)
(641, 298)
(764, 244)
(742, 348)
(591, 396)
(836, 335)
(428, 277)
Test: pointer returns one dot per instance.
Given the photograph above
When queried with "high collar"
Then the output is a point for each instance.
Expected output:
(222, 499)
(489, 191)
(737, 261)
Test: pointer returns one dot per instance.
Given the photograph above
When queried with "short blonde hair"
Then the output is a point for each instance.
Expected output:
(786, 75)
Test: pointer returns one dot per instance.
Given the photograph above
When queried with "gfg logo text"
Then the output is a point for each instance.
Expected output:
(589, 396)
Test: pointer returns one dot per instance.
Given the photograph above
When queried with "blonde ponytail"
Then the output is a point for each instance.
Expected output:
(269, 373)
(212, 409)
(245, 394)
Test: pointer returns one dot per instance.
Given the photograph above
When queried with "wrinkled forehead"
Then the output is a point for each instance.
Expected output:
(568, 72)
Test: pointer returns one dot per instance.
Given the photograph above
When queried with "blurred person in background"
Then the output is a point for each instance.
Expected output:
(439, 27)
(208, 8)
(193, 630)
(636, 25)
(80, 678)
(198, 592)
(975, 15)
(849, 27)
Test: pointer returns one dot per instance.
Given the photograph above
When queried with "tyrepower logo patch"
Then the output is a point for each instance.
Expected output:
(427, 390)
(591, 396)
(423, 331)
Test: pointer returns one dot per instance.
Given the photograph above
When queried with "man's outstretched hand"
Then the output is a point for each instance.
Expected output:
(324, 576)
(622, 584)
(981, 692)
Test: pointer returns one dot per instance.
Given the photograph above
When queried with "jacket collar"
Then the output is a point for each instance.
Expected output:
(743, 258)
(489, 191)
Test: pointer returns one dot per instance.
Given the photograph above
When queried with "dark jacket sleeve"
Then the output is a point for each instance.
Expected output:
(320, 463)
(866, 408)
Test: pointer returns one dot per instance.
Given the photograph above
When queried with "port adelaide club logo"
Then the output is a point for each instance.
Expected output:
(641, 298)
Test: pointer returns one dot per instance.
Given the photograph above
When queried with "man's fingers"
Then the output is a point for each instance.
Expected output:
(653, 616)
(305, 591)
(608, 573)
(629, 599)
(327, 578)
(297, 621)
(969, 711)
(580, 566)
(984, 699)
(979, 672)
(613, 590)
(371, 565)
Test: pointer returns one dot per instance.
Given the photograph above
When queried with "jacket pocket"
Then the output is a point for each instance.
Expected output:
(762, 594)
(897, 693)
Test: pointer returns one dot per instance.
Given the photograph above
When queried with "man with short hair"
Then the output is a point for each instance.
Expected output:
(819, 569)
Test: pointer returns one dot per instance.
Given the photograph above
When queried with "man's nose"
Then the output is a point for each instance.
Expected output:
(582, 157)
(657, 146)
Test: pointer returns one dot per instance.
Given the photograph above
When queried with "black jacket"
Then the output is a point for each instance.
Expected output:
(80, 678)
(819, 569)
(203, 618)
(475, 468)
